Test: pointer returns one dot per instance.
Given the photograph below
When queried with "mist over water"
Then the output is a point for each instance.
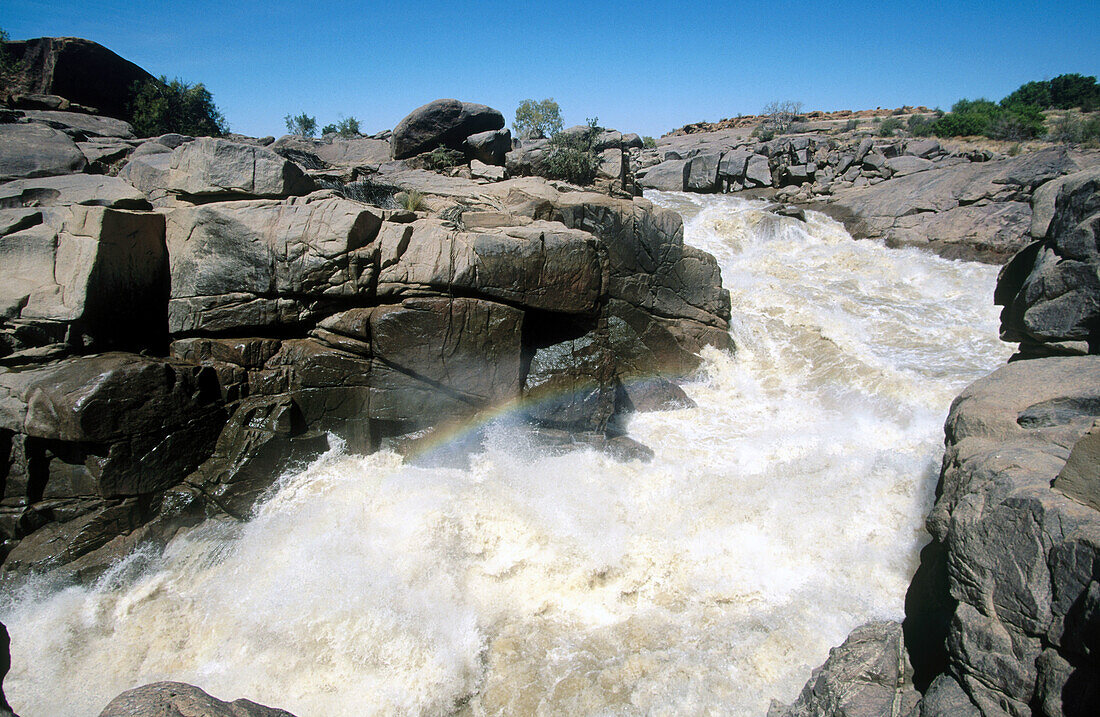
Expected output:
(782, 512)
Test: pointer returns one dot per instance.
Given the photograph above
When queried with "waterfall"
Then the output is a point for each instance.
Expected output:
(781, 512)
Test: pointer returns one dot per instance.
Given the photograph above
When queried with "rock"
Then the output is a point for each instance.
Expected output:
(569, 383)
(148, 173)
(1034, 168)
(86, 277)
(1042, 207)
(5, 665)
(442, 122)
(923, 148)
(733, 164)
(758, 172)
(669, 176)
(632, 141)
(1080, 477)
(651, 394)
(613, 164)
(82, 125)
(274, 261)
(489, 147)
(867, 676)
(102, 152)
(703, 173)
(176, 699)
(906, 164)
(541, 265)
(1019, 556)
(524, 160)
(87, 189)
(79, 70)
(33, 150)
(1050, 291)
(480, 170)
(944, 698)
(608, 139)
(210, 167)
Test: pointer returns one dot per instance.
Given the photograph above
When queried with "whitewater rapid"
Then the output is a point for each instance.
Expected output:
(780, 513)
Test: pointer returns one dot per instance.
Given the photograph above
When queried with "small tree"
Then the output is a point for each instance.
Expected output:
(162, 105)
(778, 116)
(537, 119)
(302, 125)
(348, 127)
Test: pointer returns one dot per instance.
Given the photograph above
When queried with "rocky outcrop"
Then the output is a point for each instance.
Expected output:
(264, 315)
(868, 676)
(35, 150)
(177, 699)
(906, 192)
(5, 665)
(1050, 291)
(81, 71)
(442, 122)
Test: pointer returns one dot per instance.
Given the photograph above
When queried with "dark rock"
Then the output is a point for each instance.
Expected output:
(945, 698)
(1051, 290)
(733, 164)
(867, 676)
(1034, 168)
(906, 164)
(613, 164)
(1080, 477)
(80, 125)
(34, 150)
(758, 171)
(703, 173)
(176, 699)
(569, 383)
(524, 160)
(632, 141)
(651, 394)
(79, 70)
(923, 148)
(489, 147)
(442, 122)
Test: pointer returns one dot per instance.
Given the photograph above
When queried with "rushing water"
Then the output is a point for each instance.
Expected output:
(782, 512)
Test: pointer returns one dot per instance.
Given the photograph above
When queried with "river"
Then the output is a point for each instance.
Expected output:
(783, 511)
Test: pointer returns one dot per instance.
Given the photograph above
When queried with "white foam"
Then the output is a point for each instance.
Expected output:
(778, 515)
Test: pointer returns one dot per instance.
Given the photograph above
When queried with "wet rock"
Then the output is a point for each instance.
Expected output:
(5, 665)
(171, 699)
(444, 122)
(869, 676)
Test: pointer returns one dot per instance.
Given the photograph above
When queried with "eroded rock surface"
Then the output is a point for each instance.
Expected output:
(177, 699)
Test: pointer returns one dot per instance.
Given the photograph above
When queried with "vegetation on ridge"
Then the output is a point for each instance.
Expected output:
(537, 119)
(161, 106)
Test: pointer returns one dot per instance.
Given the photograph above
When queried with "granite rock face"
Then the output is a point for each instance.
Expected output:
(265, 315)
(1050, 291)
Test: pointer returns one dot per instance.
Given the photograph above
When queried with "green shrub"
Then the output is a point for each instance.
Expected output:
(649, 143)
(537, 119)
(302, 125)
(328, 129)
(1013, 122)
(348, 127)
(851, 125)
(1014, 150)
(1070, 129)
(920, 126)
(573, 157)
(161, 106)
(410, 199)
(8, 65)
(889, 126)
(442, 158)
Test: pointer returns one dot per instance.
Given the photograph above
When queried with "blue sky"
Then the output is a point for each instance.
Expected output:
(646, 67)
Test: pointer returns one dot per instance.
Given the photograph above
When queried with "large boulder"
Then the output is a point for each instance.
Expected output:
(83, 276)
(82, 126)
(1050, 290)
(210, 167)
(1005, 600)
(669, 176)
(265, 263)
(489, 147)
(35, 150)
(5, 665)
(79, 70)
(177, 699)
(541, 265)
(442, 122)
